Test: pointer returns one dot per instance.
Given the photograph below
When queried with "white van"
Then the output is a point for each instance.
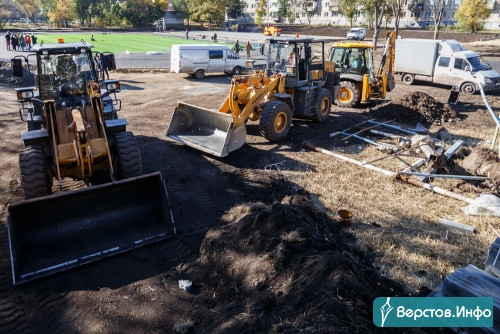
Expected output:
(357, 34)
(200, 59)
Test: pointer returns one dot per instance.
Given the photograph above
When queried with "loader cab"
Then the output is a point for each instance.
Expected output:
(64, 71)
(299, 60)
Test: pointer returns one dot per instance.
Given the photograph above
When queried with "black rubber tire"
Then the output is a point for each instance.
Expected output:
(468, 88)
(128, 155)
(322, 105)
(349, 95)
(275, 120)
(408, 78)
(236, 70)
(200, 74)
(36, 179)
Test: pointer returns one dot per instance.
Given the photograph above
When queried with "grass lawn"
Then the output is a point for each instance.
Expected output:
(121, 42)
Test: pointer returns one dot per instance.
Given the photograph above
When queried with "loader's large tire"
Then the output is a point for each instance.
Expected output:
(275, 120)
(128, 155)
(36, 179)
(349, 95)
(322, 105)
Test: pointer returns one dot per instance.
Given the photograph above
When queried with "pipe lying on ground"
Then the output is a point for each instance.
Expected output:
(385, 172)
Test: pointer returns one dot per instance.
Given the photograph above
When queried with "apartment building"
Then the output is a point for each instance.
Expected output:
(416, 13)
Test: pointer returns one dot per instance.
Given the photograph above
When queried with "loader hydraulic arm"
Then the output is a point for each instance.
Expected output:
(247, 92)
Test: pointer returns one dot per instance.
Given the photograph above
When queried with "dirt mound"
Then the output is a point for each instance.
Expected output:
(483, 161)
(285, 267)
(415, 107)
(7, 80)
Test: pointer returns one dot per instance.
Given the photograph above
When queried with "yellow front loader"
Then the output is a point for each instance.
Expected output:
(295, 83)
(73, 132)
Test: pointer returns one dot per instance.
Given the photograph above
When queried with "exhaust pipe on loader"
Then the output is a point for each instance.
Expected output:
(58, 232)
(207, 130)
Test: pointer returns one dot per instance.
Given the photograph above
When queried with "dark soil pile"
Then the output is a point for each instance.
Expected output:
(285, 267)
(415, 107)
(7, 80)
(483, 161)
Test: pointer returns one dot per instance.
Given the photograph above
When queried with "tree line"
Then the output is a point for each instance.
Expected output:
(470, 16)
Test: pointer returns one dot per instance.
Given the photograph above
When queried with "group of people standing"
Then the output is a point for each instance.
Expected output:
(248, 48)
(20, 41)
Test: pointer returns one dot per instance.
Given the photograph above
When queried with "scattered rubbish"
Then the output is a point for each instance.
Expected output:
(446, 176)
(275, 165)
(459, 226)
(385, 172)
(484, 205)
(344, 218)
(185, 284)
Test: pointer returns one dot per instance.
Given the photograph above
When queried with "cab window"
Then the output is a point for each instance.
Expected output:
(444, 62)
(215, 54)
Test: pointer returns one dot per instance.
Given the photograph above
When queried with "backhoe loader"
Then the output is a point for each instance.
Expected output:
(73, 131)
(294, 83)
(359, 82)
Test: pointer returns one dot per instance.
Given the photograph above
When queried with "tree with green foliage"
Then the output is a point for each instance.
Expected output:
(27, 7)
(349, 8)
(234, 8)
(63, 12)
(260, 12)
(283, 9)
(183, 9)
(472, 14)
(291, 13)
(140, 13)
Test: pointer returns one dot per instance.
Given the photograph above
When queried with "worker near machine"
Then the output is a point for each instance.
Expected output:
(237, 47)
(248, 48)
(104, 66)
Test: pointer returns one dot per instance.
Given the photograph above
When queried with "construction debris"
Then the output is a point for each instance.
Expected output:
(460, 226)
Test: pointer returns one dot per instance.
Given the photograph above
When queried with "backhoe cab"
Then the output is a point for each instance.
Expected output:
(360, 80)
(295, 83)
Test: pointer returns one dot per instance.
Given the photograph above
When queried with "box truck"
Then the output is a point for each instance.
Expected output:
(445, 62)
(197, 60)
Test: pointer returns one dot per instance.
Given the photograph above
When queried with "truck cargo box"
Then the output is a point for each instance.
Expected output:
(416, 56)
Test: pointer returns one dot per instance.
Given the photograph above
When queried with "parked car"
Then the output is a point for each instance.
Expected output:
(200, 59)
(357, 34)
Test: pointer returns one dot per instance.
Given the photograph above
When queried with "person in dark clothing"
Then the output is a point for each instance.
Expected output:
(104, 66)
(237, 47)
(7, 40)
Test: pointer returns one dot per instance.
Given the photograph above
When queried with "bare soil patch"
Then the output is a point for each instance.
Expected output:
(257, 234)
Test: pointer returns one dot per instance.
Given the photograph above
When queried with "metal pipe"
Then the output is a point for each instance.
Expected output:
(392, 174)
(445, 176)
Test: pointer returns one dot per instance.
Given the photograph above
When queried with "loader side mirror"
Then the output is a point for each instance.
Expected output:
(17, 67)
(111, 61)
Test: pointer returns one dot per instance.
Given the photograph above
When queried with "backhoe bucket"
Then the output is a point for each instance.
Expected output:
(207, 130)
(58, 232)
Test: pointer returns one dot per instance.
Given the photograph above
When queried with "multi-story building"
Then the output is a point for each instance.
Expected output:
(416, 13)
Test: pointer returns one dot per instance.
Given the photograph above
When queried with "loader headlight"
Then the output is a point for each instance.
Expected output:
(488, 81)
(113, 86)
(25, 94)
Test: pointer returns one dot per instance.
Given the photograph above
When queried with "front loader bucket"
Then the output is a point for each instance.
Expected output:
(58, 232)
(207, 130)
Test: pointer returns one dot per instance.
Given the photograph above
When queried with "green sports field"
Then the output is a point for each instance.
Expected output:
(120, 42)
